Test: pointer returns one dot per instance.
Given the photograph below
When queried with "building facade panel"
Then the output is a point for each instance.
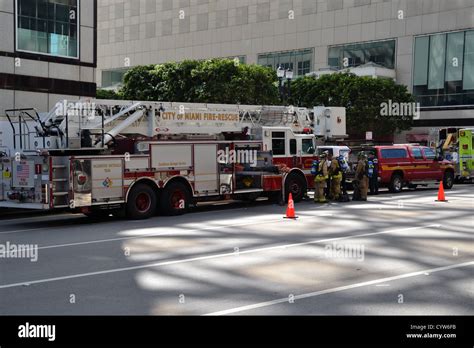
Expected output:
(44, 46)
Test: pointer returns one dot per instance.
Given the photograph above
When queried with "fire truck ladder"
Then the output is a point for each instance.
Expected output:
(101, 121)
(153, 120)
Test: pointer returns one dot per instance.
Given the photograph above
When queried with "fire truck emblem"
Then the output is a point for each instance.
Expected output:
(107, 183)
(247, 181)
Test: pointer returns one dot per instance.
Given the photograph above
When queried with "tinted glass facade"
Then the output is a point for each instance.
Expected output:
(47, 27)
(444, 69)
(113, 77)
(352, 55)
(300, 61)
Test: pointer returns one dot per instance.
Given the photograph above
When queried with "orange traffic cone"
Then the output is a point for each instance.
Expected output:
(290, 211)
(441, 197)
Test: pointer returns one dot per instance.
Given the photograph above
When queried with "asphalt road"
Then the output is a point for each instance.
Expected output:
(394, 255)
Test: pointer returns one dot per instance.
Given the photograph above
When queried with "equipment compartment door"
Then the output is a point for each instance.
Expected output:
(205, 170)
(107, 180)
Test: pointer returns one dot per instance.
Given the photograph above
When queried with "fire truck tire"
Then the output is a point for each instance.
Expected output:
(296, 185)
(141, 202)
(175, 199)
(396, 183)
(448, 180)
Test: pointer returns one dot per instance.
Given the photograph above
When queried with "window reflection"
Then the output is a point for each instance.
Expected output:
(48, 27)
(380, 52)
(300, 61)
(444, 69)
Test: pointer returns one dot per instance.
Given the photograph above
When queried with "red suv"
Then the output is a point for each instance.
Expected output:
(408, 165)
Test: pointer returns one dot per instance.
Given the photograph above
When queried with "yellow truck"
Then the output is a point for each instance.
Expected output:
(457, 145)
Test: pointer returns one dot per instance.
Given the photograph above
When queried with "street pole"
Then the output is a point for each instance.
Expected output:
(280, 75)
(289, 77)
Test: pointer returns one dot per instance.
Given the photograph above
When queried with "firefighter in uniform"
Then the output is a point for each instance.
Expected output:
(335, 174)
(373, 174)
(320, 179)
(362, 177)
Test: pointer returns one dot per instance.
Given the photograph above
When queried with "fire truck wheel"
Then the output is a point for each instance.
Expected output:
(448, 180)
(296, 185)
(141, 202)
(175, 199)
(396, 183)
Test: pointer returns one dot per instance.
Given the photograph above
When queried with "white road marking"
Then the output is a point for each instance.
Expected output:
(338, 289)
(158, 234)
(29, 230)
(208, 257)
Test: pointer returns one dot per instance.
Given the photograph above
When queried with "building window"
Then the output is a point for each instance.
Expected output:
(113, 78)
(300, 62)
(278, 143)
(48, 27)
(379, 52)
(304, 67)
(444, 69)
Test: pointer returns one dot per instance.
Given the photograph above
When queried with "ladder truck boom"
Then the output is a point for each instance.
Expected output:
(139, 158)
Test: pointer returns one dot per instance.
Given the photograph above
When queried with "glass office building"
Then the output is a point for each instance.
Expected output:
(444, 69)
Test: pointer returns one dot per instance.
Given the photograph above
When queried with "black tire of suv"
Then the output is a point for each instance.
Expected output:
(396, 183)
(448, 180)
(141, 203)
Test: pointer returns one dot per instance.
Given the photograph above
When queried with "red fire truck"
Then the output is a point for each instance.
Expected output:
(103, 157)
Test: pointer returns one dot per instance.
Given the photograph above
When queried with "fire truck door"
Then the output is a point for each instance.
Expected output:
(206, 169)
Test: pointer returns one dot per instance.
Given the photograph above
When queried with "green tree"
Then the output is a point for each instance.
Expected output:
(140, 83)
(107, 94)
(208, 81)
(363, 98)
